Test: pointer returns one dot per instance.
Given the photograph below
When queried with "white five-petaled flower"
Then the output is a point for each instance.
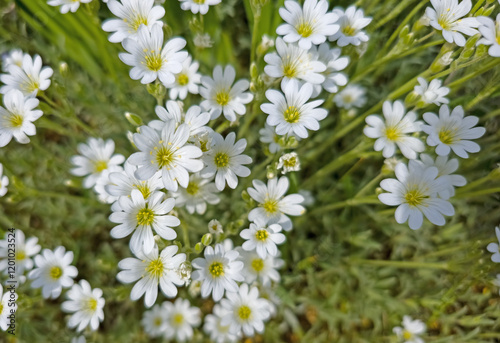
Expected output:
(213, 327)
(154, 322)
(351, 96)
(432, 93)
(289, 162)
(415, 192)
(131, 15)
(215, 227)
(8, 305)
(494, 248)
(194, 117)
(352, 22)
(274, 206)
(445, 168)
(166, 151)
(411, 330)
(53, 271)
(15, 57)
(124, 182)
(392, 130)
(67, 5)
(4, 182)
(187, 81)
(291, 62)
(96, 156)
(86, 304)
(226, 161)
(264, 270)
(452, 131)
(307, 25)
(24, 250)
(29, 78)
(180, 318)
(221, 96)
(196, 6)
(245, 311)
(100, 188)
(151, 270)
(197, 194)
(149, 60)
(291, 112)
(218, 271)
(16, 119)
(447, 16)
(262, 238)
(140, 216)
(334, 63)
(490, 31)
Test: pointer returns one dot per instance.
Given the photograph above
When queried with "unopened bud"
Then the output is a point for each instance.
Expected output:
(133, 119)
(198, 247)
(206, 239)
(63, 69)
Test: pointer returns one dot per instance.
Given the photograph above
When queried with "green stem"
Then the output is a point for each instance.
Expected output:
(477, 193)
(369, 185)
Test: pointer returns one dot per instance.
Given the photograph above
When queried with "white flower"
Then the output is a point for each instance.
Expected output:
(16, 119)
(86, 304)
(166, 151)
(445, 168)
(218, 333)
(411, 330)
(149, 61)
(53, 271)
(180, 318)
(289, 162)
(67, 5)
(291, 112)
(218, 271)
(101, 185)
(490, 31)
(215, 227)
(262, 238)
(334, 63)
(152, 270)
(24, 250)
(245, 311)
(293, 63)
(352, 22)
(187, 80)
(447, 16)
(96, 157)
(140, 216)
(226, 161)
(273, 204)
(131, 15)
(203, 41)
(393, 130)
(308, 25)
(432, 93)
(8, 303)
(268, 135)
(196, 6)
(29, 78)
(261, 269)
(221, 96)
(124, 182)
(194, 118)
(14, 57)
(351, 96)
(197, 194)
(494, 248)
(415, 194)
(4, 182)
(154, 321)
(452, 131)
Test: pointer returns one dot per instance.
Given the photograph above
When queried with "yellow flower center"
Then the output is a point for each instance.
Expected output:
(415, 197)
(154, 60)
(145, 216)
(221, 159)
(177, 319)
(244, 312)
(347, 98)
(138, 21)
(157, 321)
(271, 206)
(1, 308)
(290, 69)
(31, 85)
(447, 136)
(164, 156)
(261, 235)
(192, 188)
(92, 304)
(444, 21)
(99, 166)
(216, 269)
(20, 255)
(55, 273)
(292, 114)
(291, 162)
(258, 264)
(199, 2)
(182, 79)
(392, 133)
(304, 29)
(16, 120)
(407, 335)
(155, 268)
(348, 30)
(222, 98)
(144, 189)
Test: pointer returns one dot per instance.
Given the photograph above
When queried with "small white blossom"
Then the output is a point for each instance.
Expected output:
(494, 248)
(180, 318)
(289, 162)
(197, 194)
(490, 31)
(352, 22)
(432, 93)
(187, 81)
(351, 96)
(215, 227)
(334, 63)
(262, 238)
(154, 321)
(263, 270)
(67, 5)
(445, 168)
(411, 330)
(29, 78)
(213, 327)
(14, 57)
(100, 188)
(203, 41)
(196, 6)
(124, 182)
(268, 135)
(86, 304)
(194, 118)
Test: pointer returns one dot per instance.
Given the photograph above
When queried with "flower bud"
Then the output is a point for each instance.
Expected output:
(206, 239)
(198, 247)
(63, 69)
(133, 119)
